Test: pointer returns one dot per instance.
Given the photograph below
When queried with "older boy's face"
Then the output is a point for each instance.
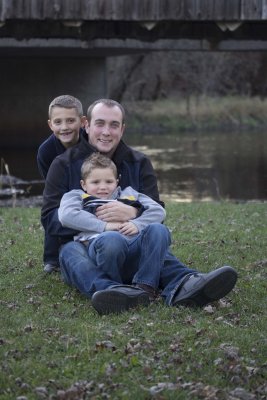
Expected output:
(66, 124)
(105, 128)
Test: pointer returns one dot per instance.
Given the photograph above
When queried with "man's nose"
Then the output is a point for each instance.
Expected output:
(105, 130)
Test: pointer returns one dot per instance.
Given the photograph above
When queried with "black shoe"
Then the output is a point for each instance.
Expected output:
(48, 268)
(119, 298)
(202, 289)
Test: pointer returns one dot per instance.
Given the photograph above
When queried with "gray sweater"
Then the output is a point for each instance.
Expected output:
(72, 215)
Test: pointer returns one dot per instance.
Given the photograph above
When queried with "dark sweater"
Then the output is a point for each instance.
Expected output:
(134, 169)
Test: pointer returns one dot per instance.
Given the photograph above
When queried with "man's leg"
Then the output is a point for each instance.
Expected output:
(150, 248)
(183, 286)
(80, 271)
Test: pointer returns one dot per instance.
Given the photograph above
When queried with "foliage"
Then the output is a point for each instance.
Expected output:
(205, 113)
(54, 346)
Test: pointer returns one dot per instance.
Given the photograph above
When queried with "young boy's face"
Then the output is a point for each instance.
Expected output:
(100, 183)
(66, 124)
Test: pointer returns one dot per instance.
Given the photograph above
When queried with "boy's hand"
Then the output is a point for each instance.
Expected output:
(112, 226)
(128, 228)
(116, 211)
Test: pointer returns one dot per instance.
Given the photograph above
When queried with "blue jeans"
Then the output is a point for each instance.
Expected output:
(143, 258)
(133, 259)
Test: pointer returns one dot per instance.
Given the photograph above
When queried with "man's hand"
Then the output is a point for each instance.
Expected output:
(128, 228)
(116, 211)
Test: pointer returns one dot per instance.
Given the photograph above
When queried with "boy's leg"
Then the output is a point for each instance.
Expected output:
(79, 270)
(51, 251)
(109, 251)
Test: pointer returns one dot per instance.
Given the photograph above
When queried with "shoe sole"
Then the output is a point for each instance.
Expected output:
(110, 302)
(214, 289)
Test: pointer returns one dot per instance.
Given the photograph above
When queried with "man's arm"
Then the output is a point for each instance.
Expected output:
(148, 181)
(116, 212)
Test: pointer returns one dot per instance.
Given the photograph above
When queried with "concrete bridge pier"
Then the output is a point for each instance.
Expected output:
(29, 84)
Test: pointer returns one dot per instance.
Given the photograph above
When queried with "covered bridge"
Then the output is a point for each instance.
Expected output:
(53, 47)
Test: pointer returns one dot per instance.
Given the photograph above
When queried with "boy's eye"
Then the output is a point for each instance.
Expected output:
(70, 121)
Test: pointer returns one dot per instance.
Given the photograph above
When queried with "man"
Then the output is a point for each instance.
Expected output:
(179, 284)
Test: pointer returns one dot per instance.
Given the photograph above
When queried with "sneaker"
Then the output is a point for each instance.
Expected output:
(48, 268)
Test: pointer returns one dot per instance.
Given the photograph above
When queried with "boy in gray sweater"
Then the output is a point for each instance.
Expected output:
(132, 252)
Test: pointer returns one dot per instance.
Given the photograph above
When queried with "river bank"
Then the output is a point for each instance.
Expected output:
(193, 114)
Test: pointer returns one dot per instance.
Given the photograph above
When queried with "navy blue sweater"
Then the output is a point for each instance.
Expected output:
(48, 151)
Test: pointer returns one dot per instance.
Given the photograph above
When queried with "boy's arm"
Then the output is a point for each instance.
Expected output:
(42, 163)
(72, 215)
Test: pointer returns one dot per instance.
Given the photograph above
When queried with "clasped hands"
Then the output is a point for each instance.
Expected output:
(117, 216)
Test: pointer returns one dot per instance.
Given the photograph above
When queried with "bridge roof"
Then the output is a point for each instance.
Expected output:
(110, 27)
(134, 10)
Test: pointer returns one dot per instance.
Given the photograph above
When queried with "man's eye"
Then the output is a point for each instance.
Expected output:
(70, 121)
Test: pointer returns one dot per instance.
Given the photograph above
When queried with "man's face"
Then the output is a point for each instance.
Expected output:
(66, 124)
(105, 128)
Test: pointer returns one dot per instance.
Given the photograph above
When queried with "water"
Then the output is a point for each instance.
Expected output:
(199, 166)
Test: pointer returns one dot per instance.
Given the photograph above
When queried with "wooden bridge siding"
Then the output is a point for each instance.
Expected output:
(134, 10)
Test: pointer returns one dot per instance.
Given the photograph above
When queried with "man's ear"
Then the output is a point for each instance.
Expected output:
(86, 125)
(83, 121)
(82, 184)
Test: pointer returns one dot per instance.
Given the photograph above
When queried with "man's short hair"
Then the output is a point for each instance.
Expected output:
(107, 102)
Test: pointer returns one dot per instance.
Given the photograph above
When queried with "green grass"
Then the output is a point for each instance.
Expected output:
(203, 113)
(54, 345)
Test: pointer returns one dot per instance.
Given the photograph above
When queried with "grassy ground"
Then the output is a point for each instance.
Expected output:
(233, 113)
(54, 346)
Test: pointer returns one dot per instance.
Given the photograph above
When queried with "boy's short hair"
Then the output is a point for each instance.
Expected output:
(66, 101)
(94, 161)
(107, 102)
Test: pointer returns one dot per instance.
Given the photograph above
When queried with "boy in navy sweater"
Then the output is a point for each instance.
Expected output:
(66, 120)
